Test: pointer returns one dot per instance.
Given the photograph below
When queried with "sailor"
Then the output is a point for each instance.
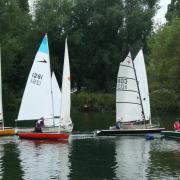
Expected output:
(39, 125)
(118, 125)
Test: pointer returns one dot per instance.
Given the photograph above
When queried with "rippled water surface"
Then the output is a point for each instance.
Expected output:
(86, 157)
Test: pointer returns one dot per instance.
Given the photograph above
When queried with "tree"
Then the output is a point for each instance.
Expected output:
(164, 67)
(173, 10)
(99, 32)
(23, 4)
(15, 31)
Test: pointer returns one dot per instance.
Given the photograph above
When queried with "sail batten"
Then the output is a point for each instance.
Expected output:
(129, 103)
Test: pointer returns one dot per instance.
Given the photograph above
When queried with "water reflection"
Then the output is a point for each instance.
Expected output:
(44, 159)
(92, 159)
(1, 161)
(9, 162)
(165, 159)
(132, 157)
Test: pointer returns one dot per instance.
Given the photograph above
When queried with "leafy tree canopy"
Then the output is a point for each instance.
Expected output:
(164, 67)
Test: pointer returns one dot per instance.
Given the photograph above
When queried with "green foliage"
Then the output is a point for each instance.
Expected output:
(173, 10)
(93, 101)
(164, 67)
(15, 31)
(99, 33)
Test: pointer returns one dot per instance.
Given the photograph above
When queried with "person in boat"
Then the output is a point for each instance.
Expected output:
(118, 125)
(39, 125)
(177, 125)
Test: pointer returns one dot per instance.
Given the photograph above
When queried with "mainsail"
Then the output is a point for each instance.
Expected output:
(128, 103)
(143, 83)
(65, 119)
(37, 97)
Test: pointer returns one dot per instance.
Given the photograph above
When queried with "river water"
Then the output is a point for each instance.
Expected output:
(87, 157)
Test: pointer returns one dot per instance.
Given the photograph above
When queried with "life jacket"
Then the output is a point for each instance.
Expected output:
(177, 125)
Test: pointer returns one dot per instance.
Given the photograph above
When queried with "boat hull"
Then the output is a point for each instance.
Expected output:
(171, 134)
(120, 132)
(7, 132)
(47, 136)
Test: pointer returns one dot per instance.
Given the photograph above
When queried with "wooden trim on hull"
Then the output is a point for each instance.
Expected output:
(7, 132)
(171, 134)
(47, 136)
(119, 132)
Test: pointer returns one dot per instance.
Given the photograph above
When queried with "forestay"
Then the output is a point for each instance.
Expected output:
(37, 97)
(143, 83)
(128, 104)
(1, 106)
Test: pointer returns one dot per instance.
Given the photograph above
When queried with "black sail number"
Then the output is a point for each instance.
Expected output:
(36, 78)
(122, 83)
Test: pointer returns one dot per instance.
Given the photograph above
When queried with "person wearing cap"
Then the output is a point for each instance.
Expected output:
(39, 125)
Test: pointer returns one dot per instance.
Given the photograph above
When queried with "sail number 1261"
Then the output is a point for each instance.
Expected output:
(36, 78)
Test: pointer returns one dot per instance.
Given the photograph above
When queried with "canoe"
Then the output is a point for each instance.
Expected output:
(47, 136)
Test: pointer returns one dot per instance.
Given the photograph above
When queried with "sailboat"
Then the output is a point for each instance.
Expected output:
(38, 101)
(132, 100)
(4, 131)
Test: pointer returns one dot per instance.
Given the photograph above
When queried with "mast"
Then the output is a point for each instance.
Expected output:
(139, 91)
(52, 102)
(1, 92)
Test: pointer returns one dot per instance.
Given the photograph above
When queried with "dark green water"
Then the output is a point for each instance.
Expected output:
(86, 157)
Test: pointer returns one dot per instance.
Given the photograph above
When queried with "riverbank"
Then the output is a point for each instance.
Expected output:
(85, 101)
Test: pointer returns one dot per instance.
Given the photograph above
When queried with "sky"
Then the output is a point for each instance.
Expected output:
(160, 16)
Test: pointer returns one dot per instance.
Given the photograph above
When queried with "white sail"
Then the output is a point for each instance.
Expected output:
(65, 119)
(56, 93)
(128, 104)
(143, 83)
(1, 106)
(37, 97)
